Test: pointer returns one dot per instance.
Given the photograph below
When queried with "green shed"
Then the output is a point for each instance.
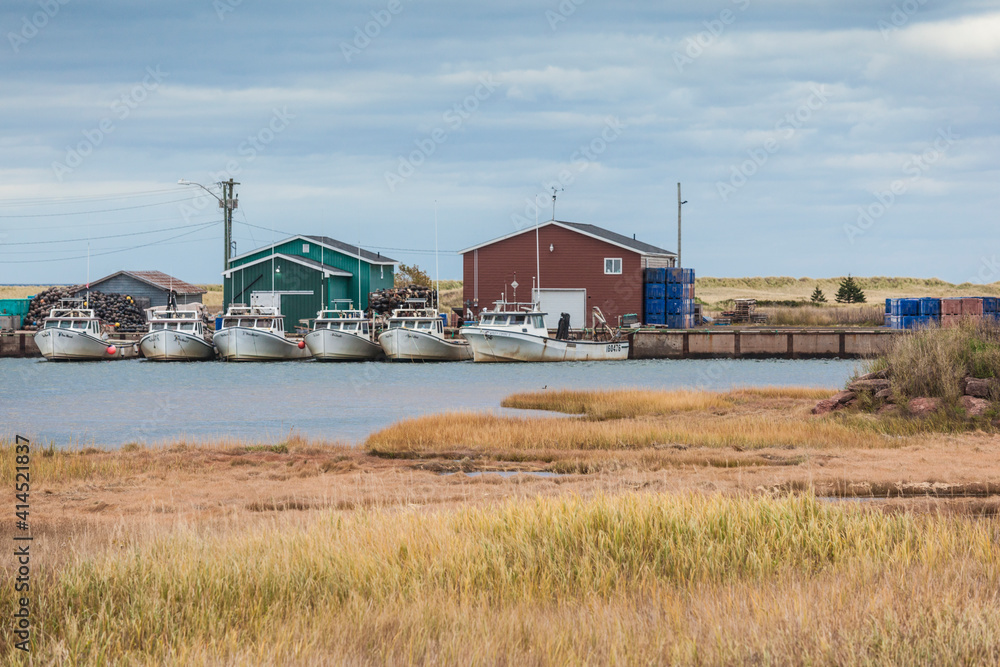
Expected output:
(305, 274)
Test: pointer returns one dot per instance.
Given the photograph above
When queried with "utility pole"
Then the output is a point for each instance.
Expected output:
(679, 204)
(228, 202)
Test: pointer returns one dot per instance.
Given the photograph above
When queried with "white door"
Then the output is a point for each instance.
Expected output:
(554, 302)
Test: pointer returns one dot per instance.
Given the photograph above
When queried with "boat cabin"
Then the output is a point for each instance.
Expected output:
(177, 320)
(343, 317)
(523, 317)
(75, 319)
(416, 315)
(263, 318)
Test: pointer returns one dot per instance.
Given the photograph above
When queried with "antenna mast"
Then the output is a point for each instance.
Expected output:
(437, 265)
(554, 191)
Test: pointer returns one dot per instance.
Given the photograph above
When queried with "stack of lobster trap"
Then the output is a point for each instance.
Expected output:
(669, 298)
(914, 313)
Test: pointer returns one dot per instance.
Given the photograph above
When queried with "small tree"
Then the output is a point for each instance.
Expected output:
(818, 296)
(850, 291)
(411, 274)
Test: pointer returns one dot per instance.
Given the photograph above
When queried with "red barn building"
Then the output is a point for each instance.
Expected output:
(580, 266)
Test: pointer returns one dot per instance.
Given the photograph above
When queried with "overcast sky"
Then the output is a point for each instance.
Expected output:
(812, 138)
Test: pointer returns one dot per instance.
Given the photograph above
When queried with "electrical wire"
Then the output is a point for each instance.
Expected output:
(108, 236)
(112, 252)
(55, 201)
(106, 210)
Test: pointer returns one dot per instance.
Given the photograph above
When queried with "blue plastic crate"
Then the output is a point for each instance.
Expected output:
(655, 318)
(909, 307)
(673, 307)
(930, 306)
(656, 291)
(989, 305)
(687, 276)
(656, 276)
(675, 291)
(654, 306)
(673, 275)
(888, 306)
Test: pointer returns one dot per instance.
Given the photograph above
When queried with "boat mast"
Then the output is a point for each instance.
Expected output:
(538, 264)
(437, 265)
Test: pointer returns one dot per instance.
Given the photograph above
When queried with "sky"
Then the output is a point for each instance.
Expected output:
(811, 139)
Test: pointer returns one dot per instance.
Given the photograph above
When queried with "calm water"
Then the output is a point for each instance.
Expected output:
(115, 402)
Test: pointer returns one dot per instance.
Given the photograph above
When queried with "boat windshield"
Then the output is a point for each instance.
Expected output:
(538, 321)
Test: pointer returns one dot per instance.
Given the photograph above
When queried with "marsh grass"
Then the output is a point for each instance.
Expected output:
(630, 403)
(630, 578)
(933, 362)
(54, 465)
(826, 316)
(520, 437)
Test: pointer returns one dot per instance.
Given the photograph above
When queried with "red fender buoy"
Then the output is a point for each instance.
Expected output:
(302, 345)
(112, 349)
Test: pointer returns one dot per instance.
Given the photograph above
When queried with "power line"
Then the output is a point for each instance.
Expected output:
(108, 236)
(106, 210)
(111, 252)
(55, 201)
(78, 225)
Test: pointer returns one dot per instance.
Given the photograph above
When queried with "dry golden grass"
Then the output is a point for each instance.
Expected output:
(57, 466)
(510, 438)
(20, 291)
(631, 578)
(213, 298)
(877, 288)
(623, 403)
(826, 316)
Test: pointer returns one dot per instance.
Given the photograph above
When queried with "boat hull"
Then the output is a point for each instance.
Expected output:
(505, 346)
(409, 345)
(245, 344)
(65, 345)
(329, 345)
(164, 345)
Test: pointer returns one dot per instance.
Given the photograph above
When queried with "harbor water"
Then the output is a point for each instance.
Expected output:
(108, 404)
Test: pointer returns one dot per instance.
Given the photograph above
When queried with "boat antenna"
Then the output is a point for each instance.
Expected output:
(538, 261)
(554, 191)
(437, 264)
(359, 265)
(87, 302)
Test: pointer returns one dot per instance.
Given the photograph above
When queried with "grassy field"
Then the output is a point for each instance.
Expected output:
(878, 288)
(626, 579)
(701, 533)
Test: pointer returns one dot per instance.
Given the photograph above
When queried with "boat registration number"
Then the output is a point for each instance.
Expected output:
(614, 347)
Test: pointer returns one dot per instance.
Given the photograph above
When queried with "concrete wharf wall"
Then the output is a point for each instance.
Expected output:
(787, 343)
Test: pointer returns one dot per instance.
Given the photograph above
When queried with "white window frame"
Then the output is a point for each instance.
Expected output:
(612, 272)
(305, 248)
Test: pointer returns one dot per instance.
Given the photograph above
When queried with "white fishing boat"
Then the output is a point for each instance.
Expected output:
(416, 333)
(73, 333)
(176, 335)
(256, 333)
(516, 332)
(343, 335)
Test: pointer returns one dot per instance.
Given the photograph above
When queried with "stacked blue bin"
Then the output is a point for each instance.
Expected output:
(669, 297)
(991, 308)
(912, 313)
